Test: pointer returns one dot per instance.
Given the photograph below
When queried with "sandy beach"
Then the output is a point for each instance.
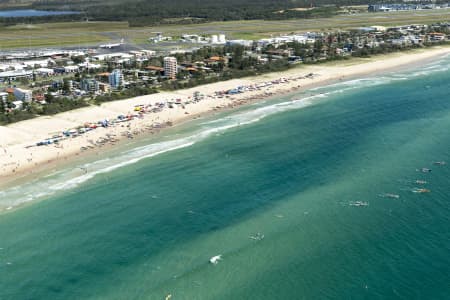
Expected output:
(20, 155)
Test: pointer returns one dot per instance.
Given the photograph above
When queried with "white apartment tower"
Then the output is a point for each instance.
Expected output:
(170, 67)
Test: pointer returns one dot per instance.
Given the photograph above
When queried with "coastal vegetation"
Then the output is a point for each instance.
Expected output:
(238, 66)
(139, 12)
(144, 13)
(32, 109)
(134, 91)
(29, 33)
(196, 67)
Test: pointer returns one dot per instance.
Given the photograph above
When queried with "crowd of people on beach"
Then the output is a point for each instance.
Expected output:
(127, 126)
(140, 110)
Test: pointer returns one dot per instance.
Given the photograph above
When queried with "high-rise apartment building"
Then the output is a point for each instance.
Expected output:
(170, 67)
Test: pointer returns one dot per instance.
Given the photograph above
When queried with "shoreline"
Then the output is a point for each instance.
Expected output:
(18, 162)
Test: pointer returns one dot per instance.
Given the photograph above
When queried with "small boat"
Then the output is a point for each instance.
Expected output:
(215, 259)
(359, 203)
(416, 190)
(439, 163)
(425, 170)
(420, 181)
(389, 195)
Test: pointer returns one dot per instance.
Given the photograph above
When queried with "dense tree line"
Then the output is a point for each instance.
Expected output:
(33, 109)
(144, 12)
(125, 94)
(156, 12)
(44, 19)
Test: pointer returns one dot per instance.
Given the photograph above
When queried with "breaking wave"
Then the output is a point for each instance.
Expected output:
(73, 177)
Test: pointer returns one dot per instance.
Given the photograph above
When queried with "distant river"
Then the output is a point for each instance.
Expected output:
(33, 13)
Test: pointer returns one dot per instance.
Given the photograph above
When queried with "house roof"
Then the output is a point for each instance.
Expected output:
(154, 68)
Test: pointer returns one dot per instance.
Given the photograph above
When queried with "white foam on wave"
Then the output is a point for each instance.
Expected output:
(71, 178)
(340, 87)
(156, 150)
(348, 85)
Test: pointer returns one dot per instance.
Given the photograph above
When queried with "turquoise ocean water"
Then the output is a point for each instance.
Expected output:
(269, 188)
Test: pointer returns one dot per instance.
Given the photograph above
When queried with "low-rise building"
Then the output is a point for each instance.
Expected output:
(14, 75)
(149, 53)
(436, 37)
(23, 95)
(3, 97)
(89, 85)
(104, 87)
(45, 72)
(18, 104)
(71, 69)
(245, 43)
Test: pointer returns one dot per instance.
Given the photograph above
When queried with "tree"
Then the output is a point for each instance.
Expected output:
(11, 98)
(78, 59)
(2, 107)
(49, 98)
(182, 75)
(24, 81)
(33, 108)
(66, 86)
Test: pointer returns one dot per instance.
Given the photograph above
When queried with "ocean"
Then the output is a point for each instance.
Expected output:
(311, 195)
